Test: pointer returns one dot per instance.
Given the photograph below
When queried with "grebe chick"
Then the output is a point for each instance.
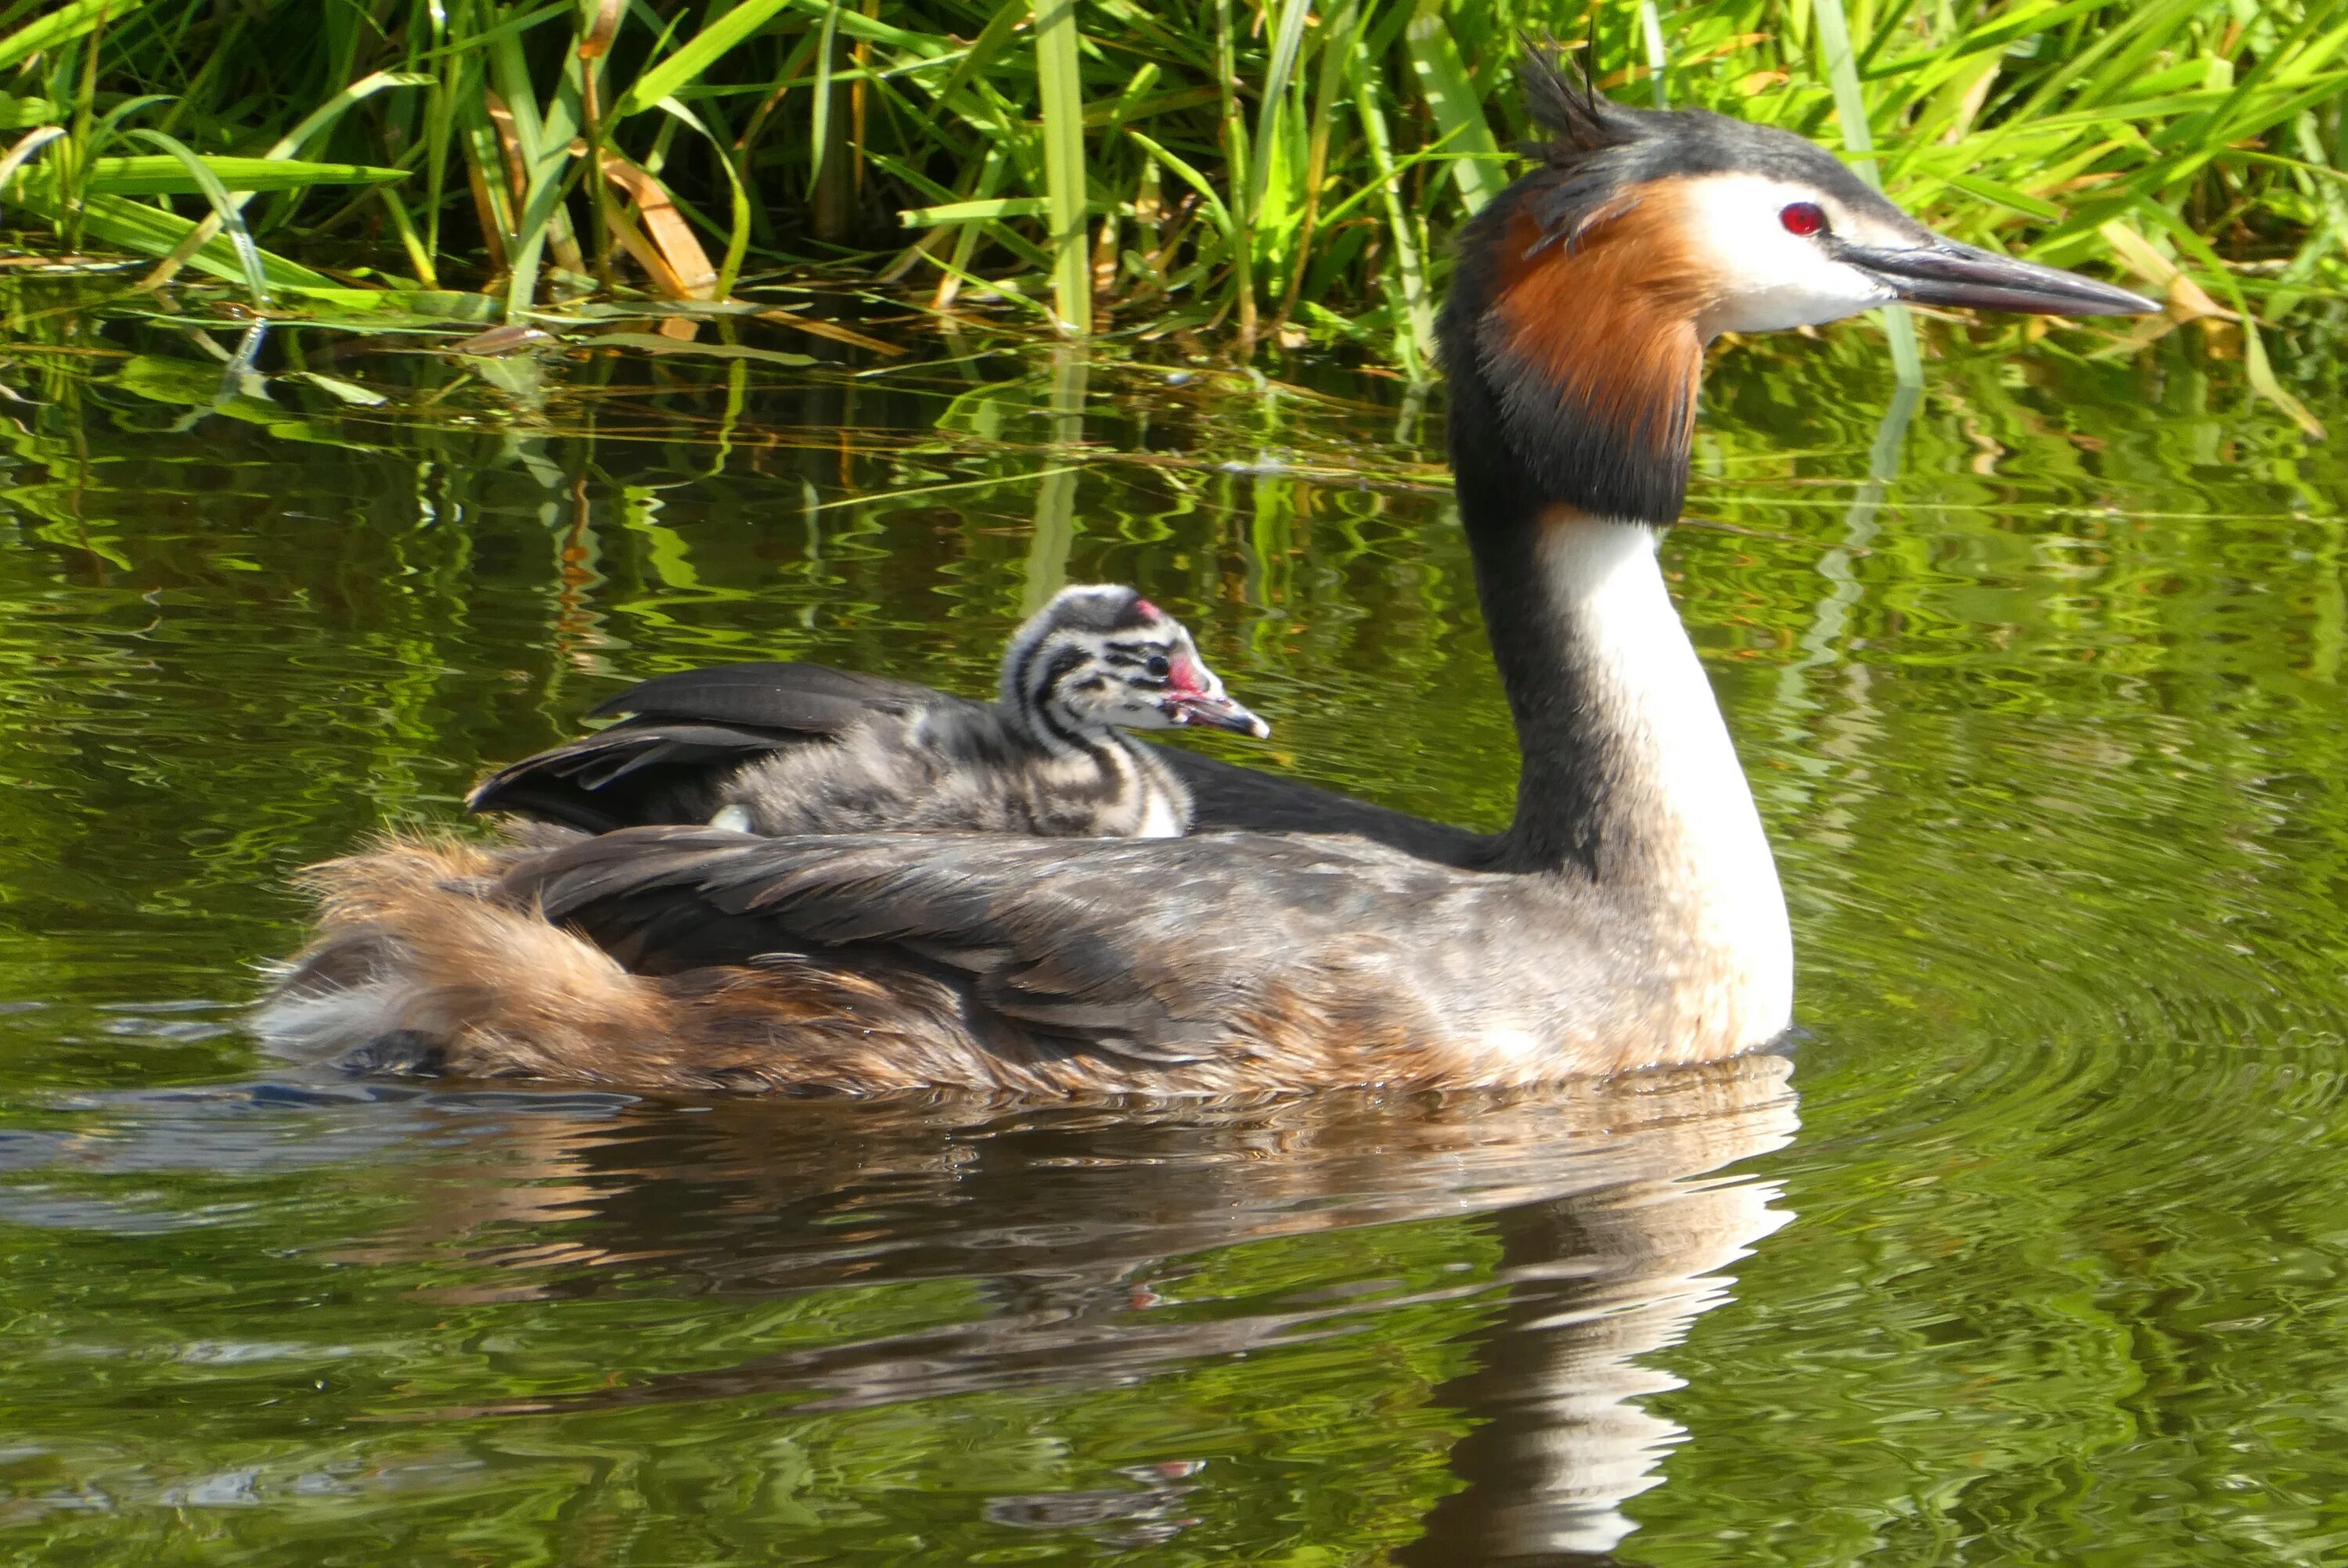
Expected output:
(777, 748)
(1046, 758)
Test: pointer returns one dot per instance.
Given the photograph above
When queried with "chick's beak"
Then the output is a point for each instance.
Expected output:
(1943, 272)
(1214, 711)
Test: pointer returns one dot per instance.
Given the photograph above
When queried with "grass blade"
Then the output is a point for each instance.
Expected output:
(1240, 233)
(315, 123)
(738, 238)
(974, 212)
(419, 254)
(161, 175)
(823, 172)
(321, 118)
(248, 254)
(1652, 25)
(1414, 334)
(1217, 213)
(1458, 117)
(1279, 72)
(695, 56)
(1336, 38)
(541, 144)
(31, 142)
(144, 231)
(1061, 90)
(1850, 109)
(62, 26)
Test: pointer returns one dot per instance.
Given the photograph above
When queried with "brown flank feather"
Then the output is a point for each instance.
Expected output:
(417, 948)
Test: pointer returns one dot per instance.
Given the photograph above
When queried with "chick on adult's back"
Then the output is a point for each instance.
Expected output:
(831, 753)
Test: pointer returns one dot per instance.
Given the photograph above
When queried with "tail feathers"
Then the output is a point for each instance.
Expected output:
(421, 966)
(414, 954)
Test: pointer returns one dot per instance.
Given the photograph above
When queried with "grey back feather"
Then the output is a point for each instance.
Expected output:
(1156, 952)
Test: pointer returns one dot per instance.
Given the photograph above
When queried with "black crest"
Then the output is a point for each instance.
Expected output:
(1579, 119)
(1589, 153)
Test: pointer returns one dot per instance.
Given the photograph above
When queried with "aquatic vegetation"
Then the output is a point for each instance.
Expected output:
(1263, 172)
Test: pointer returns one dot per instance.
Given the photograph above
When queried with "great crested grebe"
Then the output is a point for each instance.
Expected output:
(1629, 916)
(837, 753)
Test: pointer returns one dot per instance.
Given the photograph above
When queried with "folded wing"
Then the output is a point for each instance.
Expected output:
(1161, 950)
(683, 735)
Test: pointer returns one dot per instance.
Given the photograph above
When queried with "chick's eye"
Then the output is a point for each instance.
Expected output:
(1158, 666)
(1803, 218)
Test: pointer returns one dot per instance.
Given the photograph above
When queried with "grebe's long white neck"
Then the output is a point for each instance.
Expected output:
(1629, 787)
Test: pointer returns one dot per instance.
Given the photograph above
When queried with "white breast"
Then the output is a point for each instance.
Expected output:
(1160, 820)
(1712, 881)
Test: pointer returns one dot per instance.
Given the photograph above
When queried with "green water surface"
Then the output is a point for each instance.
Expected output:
(2036, 1253)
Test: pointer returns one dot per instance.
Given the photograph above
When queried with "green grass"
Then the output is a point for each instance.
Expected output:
(1255, 172)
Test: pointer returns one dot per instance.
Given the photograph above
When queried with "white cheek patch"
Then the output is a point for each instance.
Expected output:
(1768, 278)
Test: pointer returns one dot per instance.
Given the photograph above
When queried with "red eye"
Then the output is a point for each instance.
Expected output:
(1802, 217)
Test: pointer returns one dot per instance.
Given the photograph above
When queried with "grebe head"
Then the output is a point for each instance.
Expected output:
(1587, 290)
(1102, 655)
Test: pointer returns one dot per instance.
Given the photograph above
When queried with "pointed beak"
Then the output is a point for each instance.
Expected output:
(1214, 712)
(1943, 272)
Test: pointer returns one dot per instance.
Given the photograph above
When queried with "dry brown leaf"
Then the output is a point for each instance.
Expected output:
(664, 280)
(831, 330)
(2187, 300)
(685, 263)
(598, 41)
(493, 232)
(502, 120)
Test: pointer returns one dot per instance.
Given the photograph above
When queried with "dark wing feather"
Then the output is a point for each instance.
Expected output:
(1158, 949)
(812, 698)
(633, 773)
(688, 733)
(1227, 798)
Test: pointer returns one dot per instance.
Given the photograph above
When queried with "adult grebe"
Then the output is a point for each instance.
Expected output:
(833, 751)
(1629, 916)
